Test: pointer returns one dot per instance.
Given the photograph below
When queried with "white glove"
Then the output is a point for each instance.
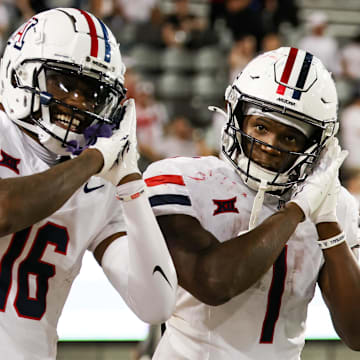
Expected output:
(120, 150)
(312, 193)
(327, 210)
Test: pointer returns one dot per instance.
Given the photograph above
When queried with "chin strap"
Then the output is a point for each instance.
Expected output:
(257, 205)
(30, 127)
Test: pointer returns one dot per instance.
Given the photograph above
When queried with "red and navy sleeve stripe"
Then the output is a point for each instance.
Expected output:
(165, 179)
(167, 199)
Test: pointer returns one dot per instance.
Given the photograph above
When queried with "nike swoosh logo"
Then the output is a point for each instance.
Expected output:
(87, 189)
(160, 270)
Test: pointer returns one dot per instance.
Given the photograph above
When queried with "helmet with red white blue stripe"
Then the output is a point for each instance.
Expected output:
(293, 87)
(62, 78)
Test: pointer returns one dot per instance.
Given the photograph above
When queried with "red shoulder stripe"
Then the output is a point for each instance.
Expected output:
(165, 179)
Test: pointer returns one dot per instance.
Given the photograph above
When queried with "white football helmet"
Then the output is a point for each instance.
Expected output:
(56, 54)
(289, 85)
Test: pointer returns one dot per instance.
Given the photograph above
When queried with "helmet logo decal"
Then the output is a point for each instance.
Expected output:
(287, 72)
(20, 35)
(94, 37)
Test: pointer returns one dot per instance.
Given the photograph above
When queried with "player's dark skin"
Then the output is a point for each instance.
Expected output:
(215, 272)
(26, 200)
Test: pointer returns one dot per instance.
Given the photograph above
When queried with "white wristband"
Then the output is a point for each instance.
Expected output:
(130, 191)
(333, 241)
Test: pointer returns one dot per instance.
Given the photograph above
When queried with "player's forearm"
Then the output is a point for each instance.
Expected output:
(152, 283)
(246, 258)
(340, 284)
(28, 199)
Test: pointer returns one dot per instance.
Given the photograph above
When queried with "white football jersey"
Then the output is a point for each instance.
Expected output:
(38, 264)
(267, 321)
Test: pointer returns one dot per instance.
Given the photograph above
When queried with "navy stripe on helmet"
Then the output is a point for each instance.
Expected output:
(107, 43)
(303, 75)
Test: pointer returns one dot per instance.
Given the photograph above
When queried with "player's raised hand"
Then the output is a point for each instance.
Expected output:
(311, 194)
(327, 209)
(120, 150)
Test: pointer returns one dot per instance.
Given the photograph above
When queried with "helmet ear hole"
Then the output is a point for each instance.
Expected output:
(316, 137)
(239, 114)
(14, 81)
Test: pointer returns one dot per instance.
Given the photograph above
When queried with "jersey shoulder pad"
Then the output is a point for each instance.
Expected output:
(166, 186)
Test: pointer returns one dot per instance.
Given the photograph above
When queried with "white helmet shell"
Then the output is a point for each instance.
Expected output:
(67, 38)
(285, 82)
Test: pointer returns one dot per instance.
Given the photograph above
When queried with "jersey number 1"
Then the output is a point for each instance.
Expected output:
(274, 298)
(28, 305)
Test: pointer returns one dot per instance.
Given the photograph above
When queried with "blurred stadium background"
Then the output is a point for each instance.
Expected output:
(180, 56)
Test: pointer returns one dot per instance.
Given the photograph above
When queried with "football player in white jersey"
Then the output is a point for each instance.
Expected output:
(251, 234)
(61, 84)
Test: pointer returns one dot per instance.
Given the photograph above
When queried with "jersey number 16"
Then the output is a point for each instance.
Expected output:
(29, 305)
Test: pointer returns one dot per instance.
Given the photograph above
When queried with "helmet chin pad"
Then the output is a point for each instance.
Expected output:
(256, 173)
(55, 144)
(72, 142)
